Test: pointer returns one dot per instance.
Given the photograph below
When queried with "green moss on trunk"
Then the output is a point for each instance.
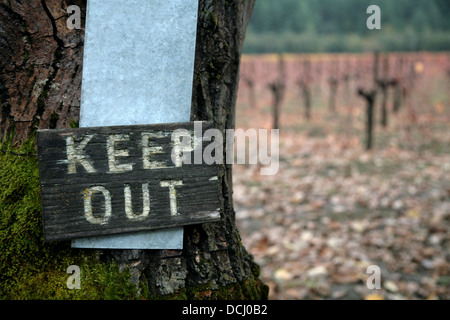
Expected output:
(30, 268)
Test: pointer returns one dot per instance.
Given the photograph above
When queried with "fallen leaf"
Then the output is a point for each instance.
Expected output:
(413, 213)
(299, 293)
(339, 294)
(395, 296)
(346, 278)
(419, 67)
(298, 197)
(359, 226)
(439, 106)
(374, 296)
(432, 297)
(390, 286)
(398, 204)
(317, 271)
(283, 275)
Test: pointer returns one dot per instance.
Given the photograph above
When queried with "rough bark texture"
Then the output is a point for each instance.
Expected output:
(40, 86)
(40, 62)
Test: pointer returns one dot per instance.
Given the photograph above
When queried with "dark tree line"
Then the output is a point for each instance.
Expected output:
(331, 16)
(325, 26)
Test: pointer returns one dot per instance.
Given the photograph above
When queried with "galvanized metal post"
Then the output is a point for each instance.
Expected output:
(138, 68)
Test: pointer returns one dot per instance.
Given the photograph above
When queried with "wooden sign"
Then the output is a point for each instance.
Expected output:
(111, 180)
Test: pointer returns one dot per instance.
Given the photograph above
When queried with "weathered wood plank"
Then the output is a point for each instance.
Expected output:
(110, 180)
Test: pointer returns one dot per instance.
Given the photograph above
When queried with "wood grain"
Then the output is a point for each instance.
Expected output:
(69, 186)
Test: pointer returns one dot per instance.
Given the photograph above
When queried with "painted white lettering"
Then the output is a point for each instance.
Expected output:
(129, 203)
(89, 215)
(257, 145)
(75, 154)
(148, 151)
(113, 153)
(171, 184)
(182, 147)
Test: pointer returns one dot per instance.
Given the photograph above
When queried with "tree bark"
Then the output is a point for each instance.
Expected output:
(40, 63)
(40, 87)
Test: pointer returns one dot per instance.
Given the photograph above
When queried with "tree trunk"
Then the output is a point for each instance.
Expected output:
(40, 82)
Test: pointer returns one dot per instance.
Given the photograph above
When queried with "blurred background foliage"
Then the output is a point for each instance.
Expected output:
(298, 26)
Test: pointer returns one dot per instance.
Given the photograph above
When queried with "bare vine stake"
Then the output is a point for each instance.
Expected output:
(370, 95)
(304, 83)
(397, 99)
(384, 85)
(278, 89)
(333, 81)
